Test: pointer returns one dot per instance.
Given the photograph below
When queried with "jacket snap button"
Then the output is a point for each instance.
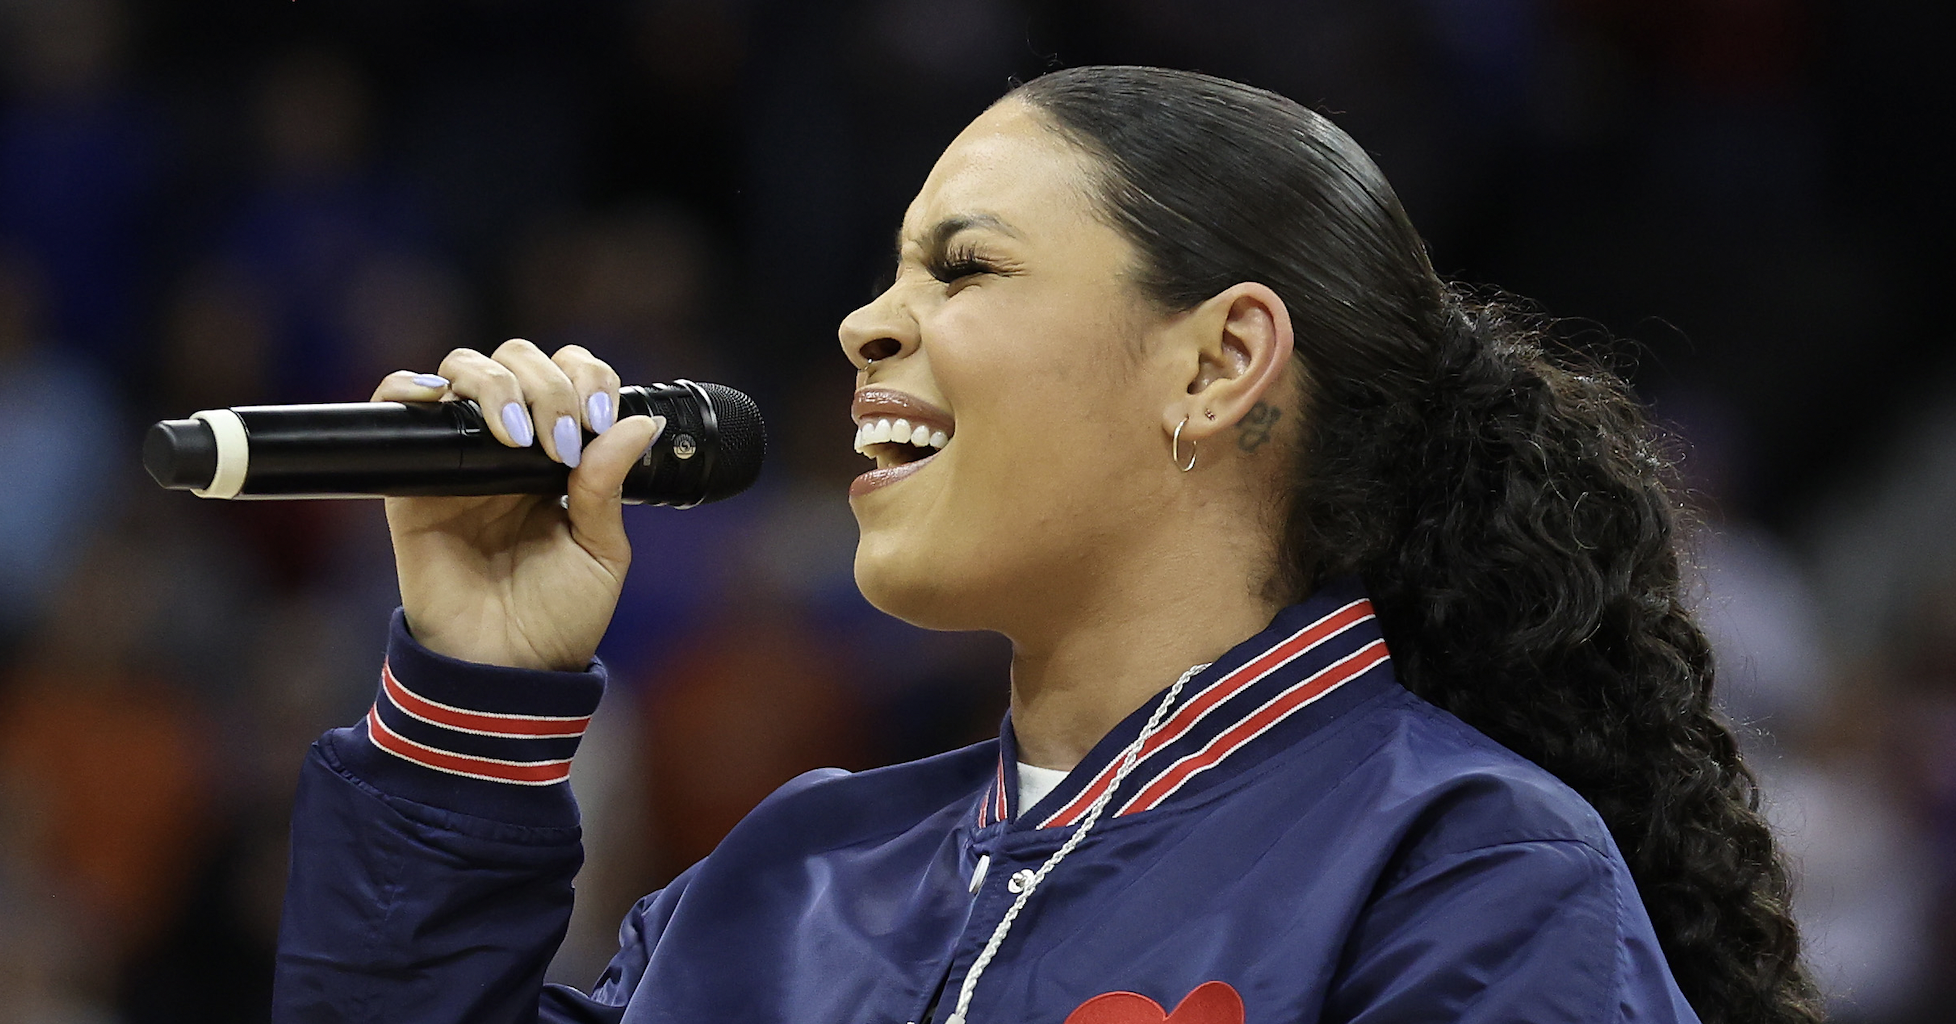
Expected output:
(1019, 881)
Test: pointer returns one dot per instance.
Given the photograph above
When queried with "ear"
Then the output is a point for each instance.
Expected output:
(1240, 341)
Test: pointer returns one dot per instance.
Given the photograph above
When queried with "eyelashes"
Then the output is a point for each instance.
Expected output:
(947, 266)
(953, 265)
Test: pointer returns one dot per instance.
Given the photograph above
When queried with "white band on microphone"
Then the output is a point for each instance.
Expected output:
(233, 453)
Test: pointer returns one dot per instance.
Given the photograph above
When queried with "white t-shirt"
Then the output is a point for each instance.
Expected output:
(1035, 783)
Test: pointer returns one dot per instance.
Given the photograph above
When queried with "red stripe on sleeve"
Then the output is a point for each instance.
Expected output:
(481, 723)
(538, 773)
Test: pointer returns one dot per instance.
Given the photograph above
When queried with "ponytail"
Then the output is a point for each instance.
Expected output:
(1528, 582)
(1505, 506)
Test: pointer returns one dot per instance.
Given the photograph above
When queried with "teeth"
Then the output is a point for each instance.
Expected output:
(900, 431)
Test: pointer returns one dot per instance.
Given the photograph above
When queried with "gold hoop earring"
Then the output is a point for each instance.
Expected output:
(1176, 447)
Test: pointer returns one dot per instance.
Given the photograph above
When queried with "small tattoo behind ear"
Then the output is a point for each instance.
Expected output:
(1254, 429)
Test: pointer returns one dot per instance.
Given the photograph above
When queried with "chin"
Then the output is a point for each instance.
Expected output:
(921, 591)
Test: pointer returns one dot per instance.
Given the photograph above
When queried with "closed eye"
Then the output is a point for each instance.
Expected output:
(957, 264)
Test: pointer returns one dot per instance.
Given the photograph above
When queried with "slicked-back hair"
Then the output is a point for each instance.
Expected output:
(1504, 501)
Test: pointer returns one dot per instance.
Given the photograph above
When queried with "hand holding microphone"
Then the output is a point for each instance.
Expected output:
(517, 580)
(507, 528)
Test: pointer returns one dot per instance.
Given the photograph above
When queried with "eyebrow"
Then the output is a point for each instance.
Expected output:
(942, 232)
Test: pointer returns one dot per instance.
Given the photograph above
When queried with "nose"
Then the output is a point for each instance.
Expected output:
(881, 329)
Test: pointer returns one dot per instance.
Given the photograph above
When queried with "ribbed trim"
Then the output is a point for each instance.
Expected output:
(484, 740)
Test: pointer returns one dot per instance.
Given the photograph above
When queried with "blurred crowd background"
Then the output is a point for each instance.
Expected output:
(218, 202)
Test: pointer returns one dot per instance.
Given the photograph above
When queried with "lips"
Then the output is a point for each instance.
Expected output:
(884, 477)
(901, 432)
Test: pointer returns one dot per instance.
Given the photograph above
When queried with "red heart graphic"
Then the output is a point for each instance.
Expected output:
(1212, 1002)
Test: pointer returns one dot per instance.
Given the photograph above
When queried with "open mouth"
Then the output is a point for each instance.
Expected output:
(900, 431)
(896, 441)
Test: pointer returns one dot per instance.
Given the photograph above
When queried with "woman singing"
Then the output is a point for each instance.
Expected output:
(1351, 676)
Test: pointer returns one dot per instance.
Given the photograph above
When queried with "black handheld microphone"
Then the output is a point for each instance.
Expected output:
(711, 449)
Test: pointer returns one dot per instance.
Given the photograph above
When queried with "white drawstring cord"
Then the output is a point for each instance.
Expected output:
(1128, 760)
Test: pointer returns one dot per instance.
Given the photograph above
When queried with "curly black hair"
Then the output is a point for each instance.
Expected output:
(1505, 503)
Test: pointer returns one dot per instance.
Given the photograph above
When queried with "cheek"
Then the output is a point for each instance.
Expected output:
(1042, 475)
(1051, 355)
(1044, 392)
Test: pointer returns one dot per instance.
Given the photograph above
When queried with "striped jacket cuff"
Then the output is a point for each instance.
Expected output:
(481, 739)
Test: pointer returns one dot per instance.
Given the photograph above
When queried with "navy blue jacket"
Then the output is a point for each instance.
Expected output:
(1302, 840)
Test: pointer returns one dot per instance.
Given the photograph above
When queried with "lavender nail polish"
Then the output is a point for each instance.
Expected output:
(598, 409)
(517, 422)
(570, 441)
(430, 380)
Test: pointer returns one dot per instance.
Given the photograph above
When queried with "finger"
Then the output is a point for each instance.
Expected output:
(597, 487)
(409, 386)
(552, 399)
(596, 383)
(494, 387)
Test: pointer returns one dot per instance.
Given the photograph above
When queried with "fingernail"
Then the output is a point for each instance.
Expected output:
(658, 427)
(570, 442)
(517, 422)
(430, 380)
(598, 408)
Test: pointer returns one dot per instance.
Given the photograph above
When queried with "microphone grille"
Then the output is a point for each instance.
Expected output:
(743, 442)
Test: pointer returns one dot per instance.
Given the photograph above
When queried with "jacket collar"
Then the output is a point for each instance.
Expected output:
(1267, 693)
